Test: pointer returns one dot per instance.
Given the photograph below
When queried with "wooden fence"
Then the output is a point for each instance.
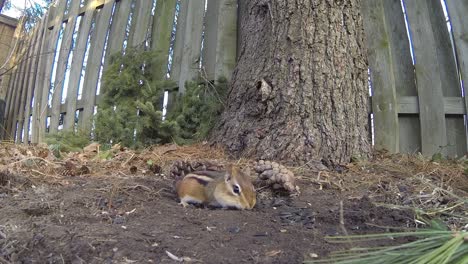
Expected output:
(70, 47)
(418, 107)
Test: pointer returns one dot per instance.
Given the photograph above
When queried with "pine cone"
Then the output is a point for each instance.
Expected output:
(276, 175)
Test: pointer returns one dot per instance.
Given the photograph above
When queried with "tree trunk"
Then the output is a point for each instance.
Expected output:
(299, 91)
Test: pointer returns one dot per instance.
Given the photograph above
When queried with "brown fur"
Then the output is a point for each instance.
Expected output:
(216, 188)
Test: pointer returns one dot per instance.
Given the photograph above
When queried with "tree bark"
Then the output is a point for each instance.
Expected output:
(299, 91)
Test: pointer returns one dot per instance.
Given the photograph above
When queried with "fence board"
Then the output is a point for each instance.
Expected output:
(50, 46)
(25, 85)
(32, 73)
(19, 87)
(161, 33)
(449, 77)
(140, 23)
(211, 39)
(384, 103)
(11, 99)
(77, 64)
(10, 85)
(179, 41)
(403, 72)
(429, 85)
(93, 66)
(227, 39)
(8, 97)
(457, 12)
(65, 50)
(41, 88)
(190, 58)
(13, 87)
(118, 27)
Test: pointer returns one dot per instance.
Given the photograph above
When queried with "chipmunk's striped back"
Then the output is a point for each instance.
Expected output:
(231, 188)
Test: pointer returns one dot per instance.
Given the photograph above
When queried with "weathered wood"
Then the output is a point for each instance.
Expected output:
(80, 104)
(449, 76)
(32, 73)
(410, 133)
(452, 105)
(403, 72)
(50, 48)
(226, 39)
(77, 64)
(8, 100)
(14, 88)
(19, 86)
(190, 59)
(40, 89)
(211, 38)
(179, 41)
(379, 50)
(140, 23)
(96, 50)
(429, 80)
(117, 31)
(11, 93)
(457, 12)
(28, 61)
(161, 33)
(64, 55)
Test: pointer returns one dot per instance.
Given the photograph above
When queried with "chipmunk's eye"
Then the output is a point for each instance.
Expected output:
(236, 189)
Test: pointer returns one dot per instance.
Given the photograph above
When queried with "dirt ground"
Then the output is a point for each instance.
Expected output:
(81, 210)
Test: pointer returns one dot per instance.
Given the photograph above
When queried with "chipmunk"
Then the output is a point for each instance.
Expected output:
(229, 189)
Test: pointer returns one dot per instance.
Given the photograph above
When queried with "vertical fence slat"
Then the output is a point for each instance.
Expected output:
(41, 90)
(54, 19)
(28, 61)
(65, 50)
(8, 97)
(10, 85)
(189, 67)
(456, 135)
(226, 39)
(13, 87)
(211, 38)
(93, 66)
(118, 27)
(161, 33)
(77, 64)
(457, 12)
(179, 41)
(8, 107)
(19, 88)
(429, 85)
(403, 72)
(384, 103)
(140, 23)
(32, 78)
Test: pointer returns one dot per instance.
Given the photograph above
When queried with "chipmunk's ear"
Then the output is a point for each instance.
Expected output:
(246, 171)
(229, 172)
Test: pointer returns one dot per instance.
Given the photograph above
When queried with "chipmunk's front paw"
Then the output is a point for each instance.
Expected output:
(184, 204)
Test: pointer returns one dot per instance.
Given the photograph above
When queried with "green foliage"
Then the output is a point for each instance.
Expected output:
(131, 109)
(198, 109)
(33, 12)
(67, 141)
(433, 245)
